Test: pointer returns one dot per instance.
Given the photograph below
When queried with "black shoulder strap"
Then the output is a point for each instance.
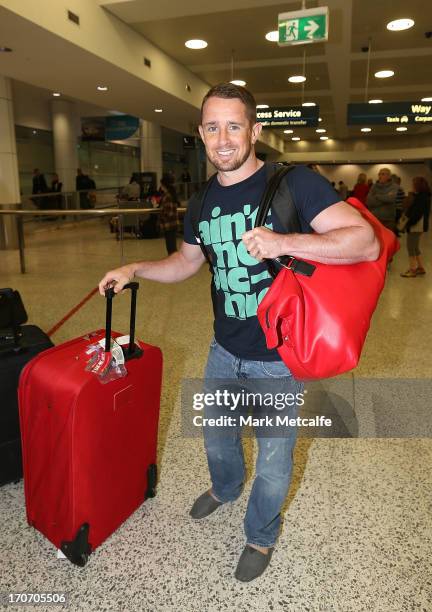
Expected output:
(195, 207)
(278, 196)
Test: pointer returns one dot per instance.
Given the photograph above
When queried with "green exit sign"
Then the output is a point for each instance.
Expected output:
(303, 27)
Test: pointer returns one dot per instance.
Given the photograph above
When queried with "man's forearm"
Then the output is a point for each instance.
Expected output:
(172, 269)
(339, 246)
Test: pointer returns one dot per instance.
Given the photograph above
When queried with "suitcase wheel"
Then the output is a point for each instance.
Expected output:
(151, 480)
(79, 549)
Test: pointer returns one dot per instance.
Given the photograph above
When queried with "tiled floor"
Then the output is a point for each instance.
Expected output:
(357, 527)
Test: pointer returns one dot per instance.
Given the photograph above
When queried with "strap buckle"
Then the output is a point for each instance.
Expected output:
(286, 261)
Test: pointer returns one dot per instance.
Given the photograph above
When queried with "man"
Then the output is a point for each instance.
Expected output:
(381, 199)
(39, 187)
(343, 190)
(83, 184)
(238, 351)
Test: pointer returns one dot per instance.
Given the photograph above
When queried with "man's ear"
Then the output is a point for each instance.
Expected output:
(256, 131)
(201, 132)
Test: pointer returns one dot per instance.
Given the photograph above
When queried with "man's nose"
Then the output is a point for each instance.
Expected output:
(223, 135)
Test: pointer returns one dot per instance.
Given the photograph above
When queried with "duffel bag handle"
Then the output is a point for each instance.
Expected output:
(109, 294)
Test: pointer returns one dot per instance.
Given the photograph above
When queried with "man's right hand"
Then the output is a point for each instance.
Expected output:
(117, 279)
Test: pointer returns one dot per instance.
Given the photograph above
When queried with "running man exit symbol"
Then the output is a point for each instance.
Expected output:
(302, 27)
(292, 30)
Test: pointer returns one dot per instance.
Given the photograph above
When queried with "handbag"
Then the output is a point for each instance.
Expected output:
(318, 315)
(403, 222)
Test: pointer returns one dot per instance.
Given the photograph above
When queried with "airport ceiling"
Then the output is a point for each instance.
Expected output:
(336, 70)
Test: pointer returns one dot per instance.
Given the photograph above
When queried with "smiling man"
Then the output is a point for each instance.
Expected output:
(332, 232)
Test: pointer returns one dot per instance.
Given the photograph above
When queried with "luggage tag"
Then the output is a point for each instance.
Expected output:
(112, 367)
(107, 366)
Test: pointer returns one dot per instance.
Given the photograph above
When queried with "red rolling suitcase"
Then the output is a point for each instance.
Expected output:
(89, 449)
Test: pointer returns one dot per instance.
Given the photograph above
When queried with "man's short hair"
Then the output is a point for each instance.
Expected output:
(231, 91)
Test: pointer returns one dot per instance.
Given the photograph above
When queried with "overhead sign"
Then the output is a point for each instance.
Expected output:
(117, 127)
(288, 116)
(189, 142)
(120, 127)
(388, 113)
(302, 27)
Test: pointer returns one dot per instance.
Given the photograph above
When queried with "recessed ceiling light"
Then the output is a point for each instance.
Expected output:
(320, 119)
(377, 101)
(296, 138)
(320, 131)
(288, 131)
(401, 129)
(34, 132)
(262, 105)
(426, 99)
(384, 74)
(366, 130)
(297, 79)
(323, 137)
(238, 82)
(158, 110)
(272, 36)
(102, 88)
(196, 44)
(400, 24)
(308, 104)
(5, 50)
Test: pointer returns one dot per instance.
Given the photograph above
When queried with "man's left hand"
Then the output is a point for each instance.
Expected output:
(262, 243)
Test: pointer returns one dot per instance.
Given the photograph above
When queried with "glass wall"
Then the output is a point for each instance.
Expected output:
(34, 150)
(109, 164)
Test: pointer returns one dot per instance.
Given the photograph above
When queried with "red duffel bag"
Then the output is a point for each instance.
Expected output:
(318, 323)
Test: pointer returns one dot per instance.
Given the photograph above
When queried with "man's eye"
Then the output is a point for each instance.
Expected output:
(234, 127)
(211, 128)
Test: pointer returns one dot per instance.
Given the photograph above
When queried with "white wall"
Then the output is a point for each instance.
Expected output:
(349, 172)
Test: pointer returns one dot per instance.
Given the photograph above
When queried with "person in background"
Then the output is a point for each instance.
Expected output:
(56, 187)
(361, 188)
(400, 197)
(185, 177)
(56, 184)
(39, 186)
(342, 190)
(168, 213)
(370, 183)
(83, 184)
(417, 208)
(39, 182)
(381, 199)
(132, 191)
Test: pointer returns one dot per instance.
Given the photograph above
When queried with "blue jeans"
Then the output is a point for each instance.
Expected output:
(225, 452)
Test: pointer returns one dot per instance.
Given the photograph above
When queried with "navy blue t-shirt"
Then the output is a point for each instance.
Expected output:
(239, 279)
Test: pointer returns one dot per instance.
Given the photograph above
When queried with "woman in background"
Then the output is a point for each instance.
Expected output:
(168, 212)
(361, 188)
(417, 209)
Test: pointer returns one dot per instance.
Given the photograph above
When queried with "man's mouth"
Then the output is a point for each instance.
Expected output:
(225, 152)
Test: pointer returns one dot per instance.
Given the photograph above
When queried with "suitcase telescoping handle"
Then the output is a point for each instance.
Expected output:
(133, 351)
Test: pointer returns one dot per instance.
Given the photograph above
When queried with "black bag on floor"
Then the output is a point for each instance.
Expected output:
(18, 345)
(12, 311)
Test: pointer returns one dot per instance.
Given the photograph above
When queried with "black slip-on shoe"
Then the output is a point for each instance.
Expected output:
(252, 563)
(204, 505)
